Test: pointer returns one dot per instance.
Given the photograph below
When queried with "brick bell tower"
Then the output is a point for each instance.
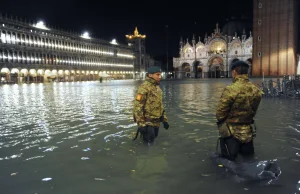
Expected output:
(275, 29)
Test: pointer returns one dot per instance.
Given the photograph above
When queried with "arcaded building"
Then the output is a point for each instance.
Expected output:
(275, 37)
(33, 52)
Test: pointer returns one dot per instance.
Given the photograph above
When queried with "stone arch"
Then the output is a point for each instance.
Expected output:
(216, 67)
(24, 75)
(198, 69)
(14, 75)
(4, 75)
(217, 46)
(61, 75)
(32, 75)
(235, 48)
(40, 75)
(186, 68)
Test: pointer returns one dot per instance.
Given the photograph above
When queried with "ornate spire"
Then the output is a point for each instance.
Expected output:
(181, 42)
(136, 34)
(217, 30)
(194, 40)
(244, 35)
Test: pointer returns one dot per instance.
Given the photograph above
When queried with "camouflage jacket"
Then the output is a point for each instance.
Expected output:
(237, 107)
(148, 107)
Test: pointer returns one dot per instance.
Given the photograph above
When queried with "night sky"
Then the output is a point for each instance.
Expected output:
(108, 19)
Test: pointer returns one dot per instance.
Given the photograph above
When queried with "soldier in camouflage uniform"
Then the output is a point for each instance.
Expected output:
(148, 109)
(237, 107)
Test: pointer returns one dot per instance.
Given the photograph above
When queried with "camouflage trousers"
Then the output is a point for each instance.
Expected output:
(231, 147)
(150, 133)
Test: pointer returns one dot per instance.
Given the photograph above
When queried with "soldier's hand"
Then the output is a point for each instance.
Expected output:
(166, 125)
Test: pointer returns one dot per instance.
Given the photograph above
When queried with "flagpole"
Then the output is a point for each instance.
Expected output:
(167, 49)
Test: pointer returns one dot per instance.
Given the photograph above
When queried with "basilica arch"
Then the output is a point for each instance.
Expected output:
(216, 67)
(198, 69)
(186, 68)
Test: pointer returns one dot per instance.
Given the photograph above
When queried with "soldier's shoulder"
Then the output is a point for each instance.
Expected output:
(255, 87)
(232, 87)
(143, 87)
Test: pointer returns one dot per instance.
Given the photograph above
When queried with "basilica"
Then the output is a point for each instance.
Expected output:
(212, 57)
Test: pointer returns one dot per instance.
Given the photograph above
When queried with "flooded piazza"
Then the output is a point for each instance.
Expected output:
(76, 137)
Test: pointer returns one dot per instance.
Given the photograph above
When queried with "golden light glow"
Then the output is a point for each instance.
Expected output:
(67, 72)
(14, 70)
(48, 72)
(32, 72)
(135, 35)
(54, 71)
(40, 72)
(5, 70)
(217, 46)
(60, 72)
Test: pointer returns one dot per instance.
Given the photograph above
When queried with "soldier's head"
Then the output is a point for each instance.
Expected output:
(239, 68)
(155, 73)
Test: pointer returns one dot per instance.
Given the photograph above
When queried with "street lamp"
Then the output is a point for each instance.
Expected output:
(85, 35)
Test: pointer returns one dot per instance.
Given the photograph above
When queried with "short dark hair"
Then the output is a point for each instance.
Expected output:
(241, 67)
(242, 70)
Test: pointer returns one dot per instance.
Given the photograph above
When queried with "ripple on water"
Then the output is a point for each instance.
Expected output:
(80, 132)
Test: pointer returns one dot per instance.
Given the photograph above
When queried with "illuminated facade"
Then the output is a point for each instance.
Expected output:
(213, 57)
(142, 59)
(33, 52)
(275, 33)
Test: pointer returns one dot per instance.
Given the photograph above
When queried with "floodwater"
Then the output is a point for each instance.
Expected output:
(76, 138)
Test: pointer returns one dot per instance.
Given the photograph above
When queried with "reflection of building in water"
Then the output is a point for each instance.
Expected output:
(142, 60)
(33, 52)
(275, 32)
(213, 57)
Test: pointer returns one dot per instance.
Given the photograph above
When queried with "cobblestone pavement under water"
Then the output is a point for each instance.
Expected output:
(77, 138)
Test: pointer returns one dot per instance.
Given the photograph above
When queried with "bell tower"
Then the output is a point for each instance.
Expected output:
(137, 41)
(275, 37)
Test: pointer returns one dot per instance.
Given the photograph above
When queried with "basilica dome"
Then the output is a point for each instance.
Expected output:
(236, 26)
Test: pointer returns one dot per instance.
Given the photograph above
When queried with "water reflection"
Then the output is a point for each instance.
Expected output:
(78, 136)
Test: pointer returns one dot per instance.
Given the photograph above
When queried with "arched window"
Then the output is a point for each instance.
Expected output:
(1, 55)
(8, 38)
(18, 39)
(27, 43)
(13, 38)
(23, 39)
(3, 36)
(15, 57)
(19, 57)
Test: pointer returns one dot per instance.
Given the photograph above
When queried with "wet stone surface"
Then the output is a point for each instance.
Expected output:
(77, 138)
